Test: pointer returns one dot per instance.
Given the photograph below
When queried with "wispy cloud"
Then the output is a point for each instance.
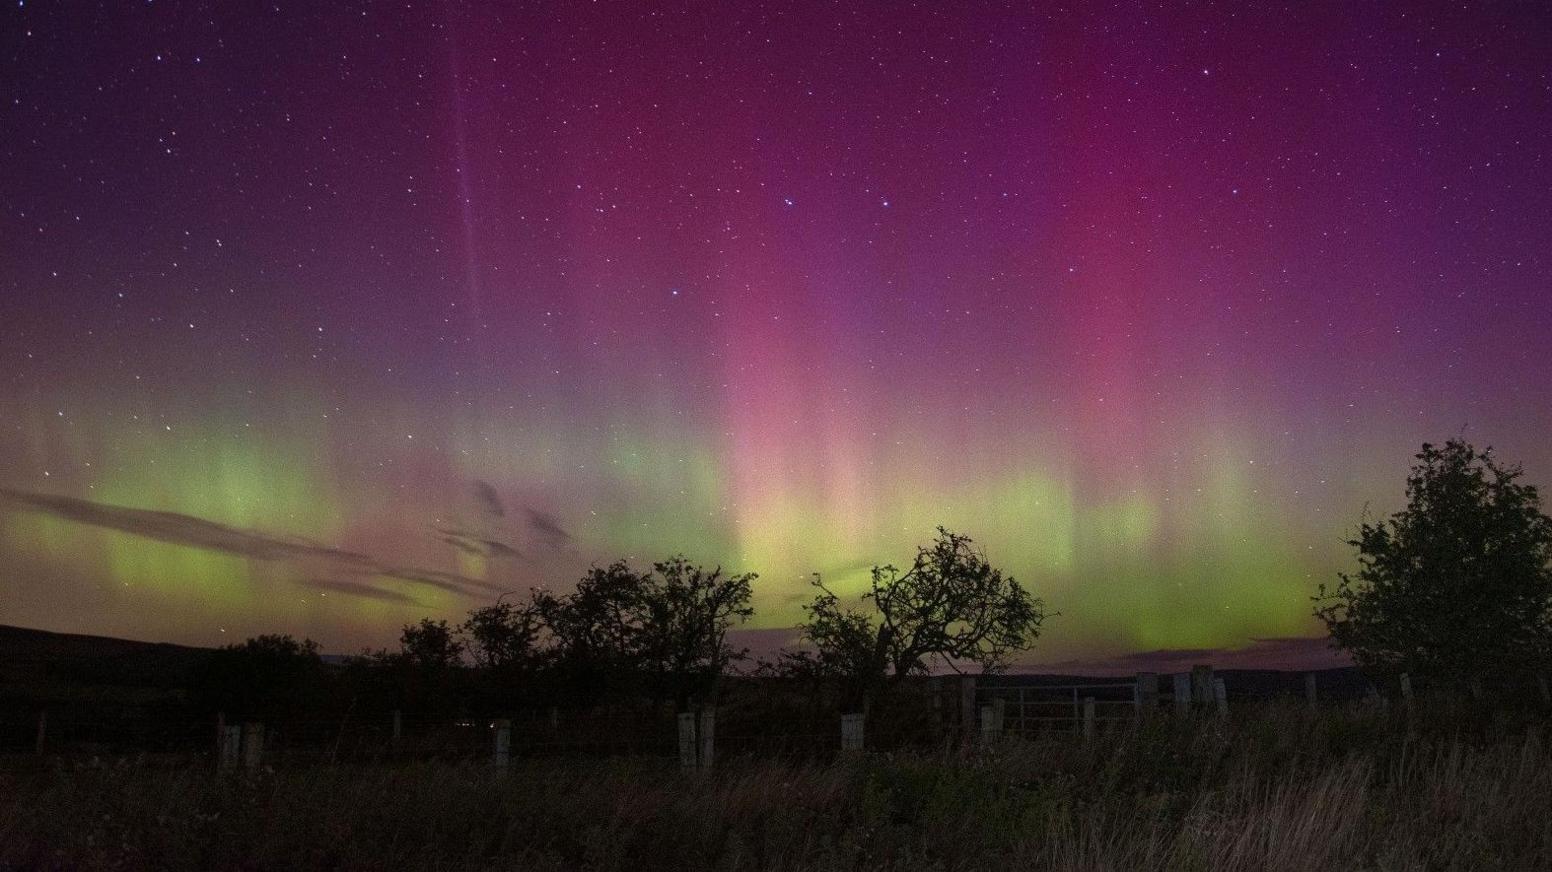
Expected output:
(479, 546)
(193, 532)
(548, 529)
(445, 580)
(356, 588)
(489, 501)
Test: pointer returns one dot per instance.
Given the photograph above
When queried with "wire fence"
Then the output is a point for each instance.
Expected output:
(750, 719)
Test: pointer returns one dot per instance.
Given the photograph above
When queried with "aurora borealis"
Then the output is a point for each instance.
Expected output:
(320, 318)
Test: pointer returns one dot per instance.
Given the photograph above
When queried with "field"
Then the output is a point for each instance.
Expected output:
(1274, 787)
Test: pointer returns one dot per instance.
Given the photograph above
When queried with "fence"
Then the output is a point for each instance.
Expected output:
(1024, 710)
(946, 711)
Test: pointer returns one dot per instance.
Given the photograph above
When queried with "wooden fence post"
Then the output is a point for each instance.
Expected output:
(1546, 692)
(252, 746)
(1202, 685)
(229, 749)
(1181, 693)
(988, 725)
(502, 756)
(1310, 692)
(1146, 693)
(398, 730)
(1088, 717)
(687, 740)
(1406, 691)
(852, 726)
(706, 733)
(1221, 696)
(42, 738)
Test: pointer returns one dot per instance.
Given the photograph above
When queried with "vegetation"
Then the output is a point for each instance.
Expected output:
(1458, 584)
(950, 608)
(665, 629)
(266, 678)
(1277, 788)
(1455, 586)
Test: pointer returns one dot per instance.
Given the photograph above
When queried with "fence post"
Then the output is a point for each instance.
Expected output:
(502, 757)
(1221, 696)
(1546, 692)
(707, 734)
(229, 746)
(252, 745)
(967, 709)
(687, 740)
(1406, 691)
(398, 731)
(988, 725)
(1088, 717)
(1146, 693)
(1310, 694)
(1202, 685)
(851, 731)
(1182, 692)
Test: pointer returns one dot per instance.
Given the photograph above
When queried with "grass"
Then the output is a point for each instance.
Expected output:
(1276, 788)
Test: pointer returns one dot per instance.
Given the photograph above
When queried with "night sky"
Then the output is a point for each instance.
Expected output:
(322, 317)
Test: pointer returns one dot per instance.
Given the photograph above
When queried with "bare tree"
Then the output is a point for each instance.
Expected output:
(949, 608)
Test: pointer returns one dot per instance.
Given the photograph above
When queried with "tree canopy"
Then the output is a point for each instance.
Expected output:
(667, 626)
(949, 608)
(267, 677)
(1456, 585)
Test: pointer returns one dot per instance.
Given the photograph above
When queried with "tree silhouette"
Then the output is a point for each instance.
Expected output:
(684, 628)
(667, 627)
(595, 630)
(502, 636)
(1456, 585)
(266, 678)
(425, 673)
(950, 607)
(431, 644)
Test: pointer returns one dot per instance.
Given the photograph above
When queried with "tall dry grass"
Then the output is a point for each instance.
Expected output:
(1276, 788)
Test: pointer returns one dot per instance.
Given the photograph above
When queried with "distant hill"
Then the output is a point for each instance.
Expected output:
(39, 665)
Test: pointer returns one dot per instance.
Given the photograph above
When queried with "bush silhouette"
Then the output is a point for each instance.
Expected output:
(1455, 586)
(267, 678)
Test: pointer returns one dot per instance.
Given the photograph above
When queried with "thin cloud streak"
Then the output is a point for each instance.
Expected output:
(192, 532)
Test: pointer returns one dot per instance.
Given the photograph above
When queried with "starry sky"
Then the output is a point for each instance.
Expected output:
(322, 317)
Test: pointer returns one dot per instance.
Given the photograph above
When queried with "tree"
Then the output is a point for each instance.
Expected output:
(266, 678)
(430, 644)
(595, 630)
(688, 612)
(502, 635)
(950, 607)
(666, 626)
(1456, 585)
(425, 674)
